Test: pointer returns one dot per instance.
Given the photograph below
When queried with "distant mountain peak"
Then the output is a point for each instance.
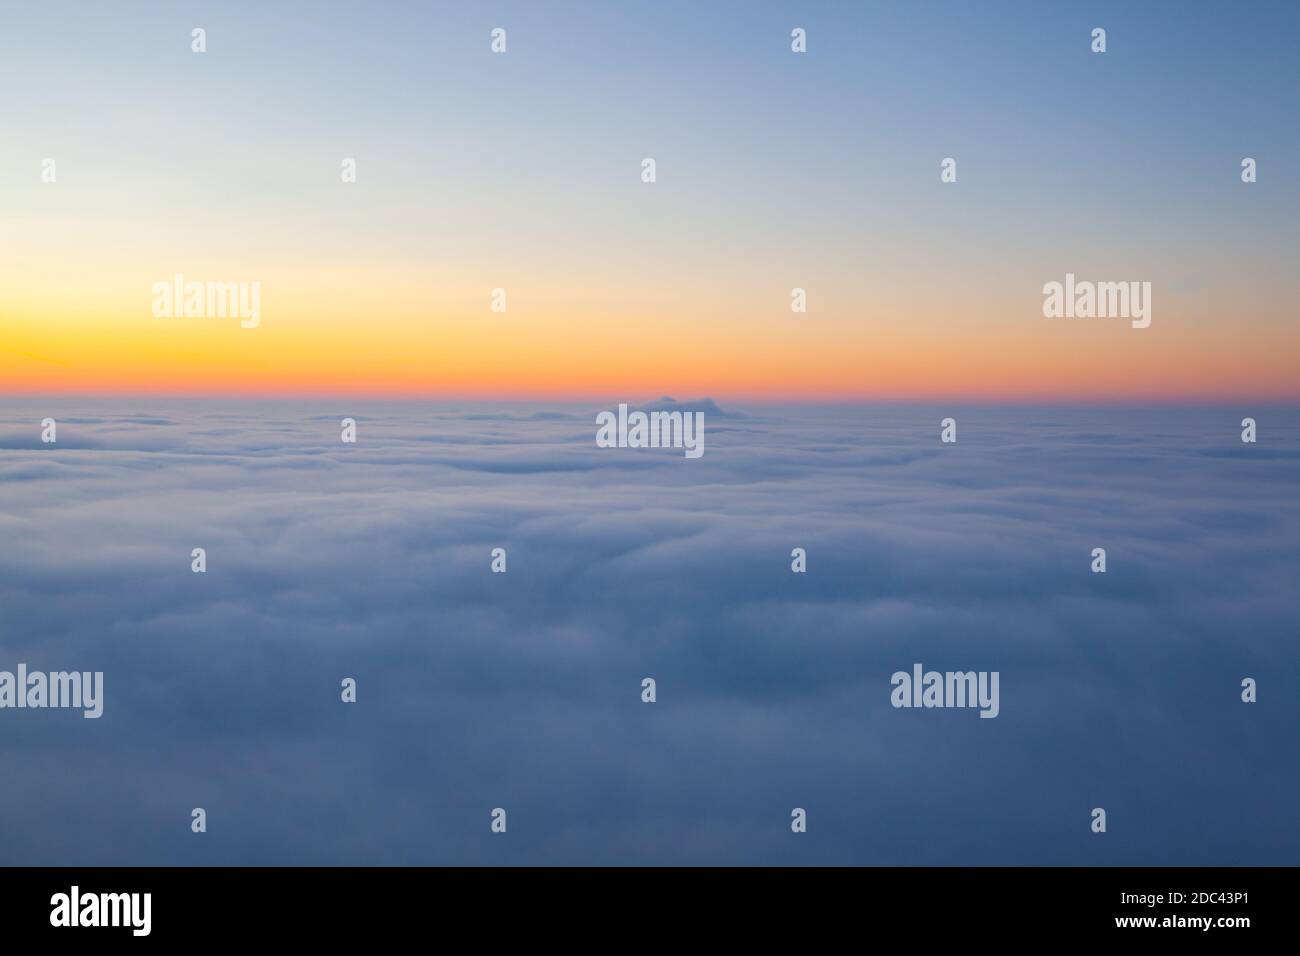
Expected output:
(669, 404)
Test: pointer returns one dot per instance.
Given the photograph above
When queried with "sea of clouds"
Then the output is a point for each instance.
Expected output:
(523, 690)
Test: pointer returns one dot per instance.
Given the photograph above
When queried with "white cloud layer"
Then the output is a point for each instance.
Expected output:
(522, 690)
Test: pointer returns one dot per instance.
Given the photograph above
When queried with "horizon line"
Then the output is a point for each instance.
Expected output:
(584, 398)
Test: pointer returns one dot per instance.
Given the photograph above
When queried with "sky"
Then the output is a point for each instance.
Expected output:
(522, 690)
(775, 170)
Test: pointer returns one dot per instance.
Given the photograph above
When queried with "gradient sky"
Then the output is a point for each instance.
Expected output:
(775, 170)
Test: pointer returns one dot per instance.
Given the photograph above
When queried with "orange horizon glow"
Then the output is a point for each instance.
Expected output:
(893, 384)
(1055, 365)
(375, 331)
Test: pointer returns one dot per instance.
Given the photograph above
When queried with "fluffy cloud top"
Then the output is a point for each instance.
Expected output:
(522, 690)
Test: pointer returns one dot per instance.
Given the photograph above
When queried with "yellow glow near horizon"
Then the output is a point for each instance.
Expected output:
(372, 329)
